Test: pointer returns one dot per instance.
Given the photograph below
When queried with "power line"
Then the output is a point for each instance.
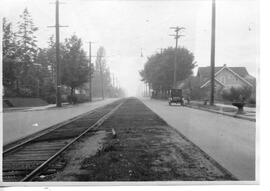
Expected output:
(176, 36)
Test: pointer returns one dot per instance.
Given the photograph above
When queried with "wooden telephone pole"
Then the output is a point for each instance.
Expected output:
(176, 36)
(213, 52)
(58, 79)
(57, 50)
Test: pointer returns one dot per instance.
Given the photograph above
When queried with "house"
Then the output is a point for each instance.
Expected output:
(225, 77)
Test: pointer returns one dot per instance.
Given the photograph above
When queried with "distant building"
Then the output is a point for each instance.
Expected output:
(225, 77)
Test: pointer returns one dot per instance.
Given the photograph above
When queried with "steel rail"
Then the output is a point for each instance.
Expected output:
(37, 170)
(49, 130)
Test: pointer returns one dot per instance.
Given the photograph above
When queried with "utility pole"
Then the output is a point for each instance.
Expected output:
(149, 89)
(90, 71)
(176, 36)
(101, 78)
(57, 49)
(117, 84)
(113, 84)
(145, 90)
(58, 80)
(213, 52)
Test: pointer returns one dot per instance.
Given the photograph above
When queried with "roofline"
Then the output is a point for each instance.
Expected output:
(220, 70)
(205, 84)
(230, 71)
(240, 77)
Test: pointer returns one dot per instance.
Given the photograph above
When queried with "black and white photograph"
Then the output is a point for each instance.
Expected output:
(129, 92)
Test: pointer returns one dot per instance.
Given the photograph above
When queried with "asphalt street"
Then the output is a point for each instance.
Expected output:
(230, 141)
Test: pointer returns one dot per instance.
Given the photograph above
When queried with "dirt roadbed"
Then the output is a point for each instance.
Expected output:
(144, 148)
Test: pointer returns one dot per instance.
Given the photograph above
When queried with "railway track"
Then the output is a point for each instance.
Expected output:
(28, 159)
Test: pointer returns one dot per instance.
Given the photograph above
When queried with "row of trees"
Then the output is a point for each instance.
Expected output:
(102, 80)
(30, 71)
(159, 69)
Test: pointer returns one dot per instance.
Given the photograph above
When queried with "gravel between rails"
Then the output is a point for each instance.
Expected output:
(144, 148)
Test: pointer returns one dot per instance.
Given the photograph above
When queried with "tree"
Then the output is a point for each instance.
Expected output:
(46, 68)
(9, 56)
(74, 64)
(159, 68)
(43, 73)
(26, 38)
(102, 84)
(27, 51)
(100, 71)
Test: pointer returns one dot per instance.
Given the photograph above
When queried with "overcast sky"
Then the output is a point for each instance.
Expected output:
(126, 27)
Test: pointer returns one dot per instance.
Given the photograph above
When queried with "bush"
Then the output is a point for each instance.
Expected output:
(25, 92)
(8, 92)
(82, 98)
(252, 101)
(236, 94)
(51, 99)
(198, 93)
(64, 97)
(48, 92)
(72, 99)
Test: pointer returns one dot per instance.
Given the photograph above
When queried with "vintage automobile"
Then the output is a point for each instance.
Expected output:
(176, 96)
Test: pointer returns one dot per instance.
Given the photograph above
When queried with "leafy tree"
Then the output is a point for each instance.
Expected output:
(74, 64)
(46, 69)
(159, 68)
(43, 73)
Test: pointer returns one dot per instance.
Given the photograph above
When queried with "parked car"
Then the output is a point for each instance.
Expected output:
(176, 96)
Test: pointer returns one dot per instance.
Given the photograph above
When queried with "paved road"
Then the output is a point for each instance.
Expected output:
(230, 141)
(18, 124)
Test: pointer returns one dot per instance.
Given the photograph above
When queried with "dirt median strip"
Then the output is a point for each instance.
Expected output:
(144, 148)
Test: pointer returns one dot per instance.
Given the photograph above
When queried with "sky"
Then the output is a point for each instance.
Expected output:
(127, 27)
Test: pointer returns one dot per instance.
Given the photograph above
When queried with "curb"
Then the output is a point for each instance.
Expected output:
(221, 113)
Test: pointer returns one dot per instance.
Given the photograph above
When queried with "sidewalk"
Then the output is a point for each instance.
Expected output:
(228, 110)
(50, 106)
(21, 123)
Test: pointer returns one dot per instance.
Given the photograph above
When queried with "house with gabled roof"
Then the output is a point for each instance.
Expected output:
(225, 77)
